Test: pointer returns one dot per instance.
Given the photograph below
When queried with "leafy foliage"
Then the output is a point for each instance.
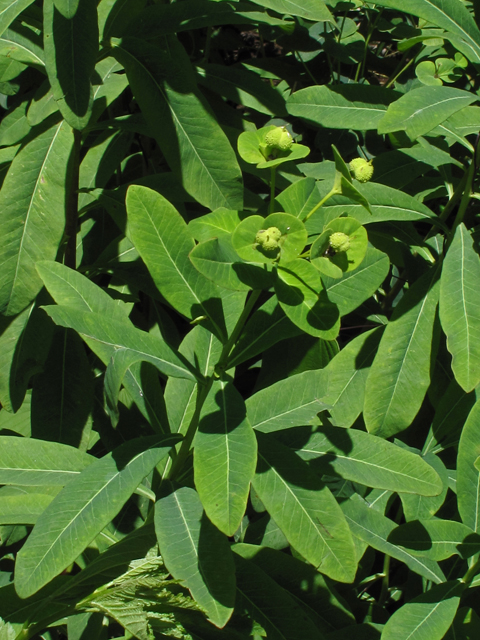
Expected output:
(240, 319)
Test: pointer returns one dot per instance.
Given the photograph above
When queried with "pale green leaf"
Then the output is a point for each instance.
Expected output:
(195, 552)
(225, 455)
(82, 509)
(401, 368)
(33, 186)
(460, 308)
(468, 476)
(288, 403)
(304, 509)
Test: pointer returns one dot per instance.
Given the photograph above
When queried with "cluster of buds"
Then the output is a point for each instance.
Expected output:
(362, 169)
(267, 239)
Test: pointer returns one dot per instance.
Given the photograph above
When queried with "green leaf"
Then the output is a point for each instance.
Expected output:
(450, 15)
(302, 296)
(436, 539)
(427, 616)
(117, 335)
(304, 509)
(347, 374)
(242, 86)
(401, 368)
(225, 455)
(468, 476)
(14, 126)
(181, 121)
(374, 528)
(308, 9)
(288, 403)
(459, 308)
(67, 8)
(195, 552)
(28, 462)
(218, 261)
(23, 45)
(71, 48)
(108, 85)
(73, 290)
(416, 507)
(9, 10)
(450, 416)
(267, 326)
(421, 110)
(319, 600)
(62, 397)
(354, 287)
(218, 223)
(281, 616)
(82, 509)
(23, 506)
(385, 204)
(34, 184)
(348, 106)
(162, 239)
(116, 16)
(360, 457)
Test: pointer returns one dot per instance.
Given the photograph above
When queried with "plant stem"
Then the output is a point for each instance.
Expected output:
(472, 572)
(384, 592)
(204, 389)
(320, 204)
(392, 81)
(71, 213)
(272, 189)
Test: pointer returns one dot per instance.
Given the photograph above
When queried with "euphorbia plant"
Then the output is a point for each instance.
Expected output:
(240, 320)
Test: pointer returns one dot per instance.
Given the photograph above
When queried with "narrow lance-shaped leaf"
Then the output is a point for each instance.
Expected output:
(288, 403)
(161, 237)
(400, 374)
(421, 110)
(345, 106)
(225, 456)
(374, 528)
(427, 616)
(32, 214)
(436, 539)
(71, 47)
(179, 118)
(9, 10)
(115, 334)
(82, 509)
(364, 458)
(452, 16)
(304, 509)
(468, 476)
(29, 462)
(460, 308)
(347, 375)
(196, 552)
(72, 289)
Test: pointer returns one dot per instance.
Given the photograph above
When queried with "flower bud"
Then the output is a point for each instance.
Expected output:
(268, 239)
(361, 169)
(279, 138)
(339, 242)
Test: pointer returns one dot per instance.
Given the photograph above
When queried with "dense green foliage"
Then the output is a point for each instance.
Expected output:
(240, 320)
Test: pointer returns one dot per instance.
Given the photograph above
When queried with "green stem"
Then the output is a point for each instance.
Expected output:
(384, 592)
(472, 572)
(392, 81)
(208, 41)
(466, 195)
(331, 193)
(204, 390)
(272, 189)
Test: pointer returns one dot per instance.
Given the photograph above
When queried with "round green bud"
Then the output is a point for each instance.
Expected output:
(339, 242)
(279, 138)
(268, 238)
(362, 169)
